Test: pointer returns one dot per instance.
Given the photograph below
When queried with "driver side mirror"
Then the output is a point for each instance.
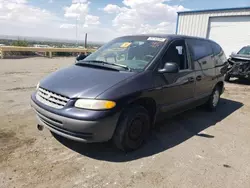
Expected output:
(169, 67)
(80, 57)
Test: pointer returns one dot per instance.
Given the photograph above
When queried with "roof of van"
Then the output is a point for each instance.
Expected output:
(169, 36)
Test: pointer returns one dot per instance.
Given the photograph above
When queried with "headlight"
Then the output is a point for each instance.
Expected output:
(94, 104)
(37, 86)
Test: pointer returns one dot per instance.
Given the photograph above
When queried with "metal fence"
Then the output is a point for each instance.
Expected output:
(4, 49)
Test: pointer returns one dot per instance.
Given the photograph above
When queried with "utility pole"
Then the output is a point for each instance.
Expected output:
(86, 37)
(76, 31)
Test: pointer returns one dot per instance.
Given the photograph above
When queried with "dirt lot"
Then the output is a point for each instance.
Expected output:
(194, 149)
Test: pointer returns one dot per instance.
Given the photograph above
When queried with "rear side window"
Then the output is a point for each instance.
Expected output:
(216, 48)
(199, 48)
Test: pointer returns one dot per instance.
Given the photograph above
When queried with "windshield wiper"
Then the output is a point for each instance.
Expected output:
(107, 63)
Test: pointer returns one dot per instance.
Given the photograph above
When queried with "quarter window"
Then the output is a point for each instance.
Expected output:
(199, 48)
(216, 48)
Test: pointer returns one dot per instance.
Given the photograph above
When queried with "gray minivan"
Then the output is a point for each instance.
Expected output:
(118, 92)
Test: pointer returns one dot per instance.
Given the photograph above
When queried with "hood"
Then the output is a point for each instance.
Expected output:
(241, 57)
(82, 82)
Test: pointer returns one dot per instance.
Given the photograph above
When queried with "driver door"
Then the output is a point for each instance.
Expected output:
(178, 88)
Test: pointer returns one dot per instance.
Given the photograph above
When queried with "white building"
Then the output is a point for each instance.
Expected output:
(41, 46)
(228, 27)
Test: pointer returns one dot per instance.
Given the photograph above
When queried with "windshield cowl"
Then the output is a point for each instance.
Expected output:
(107, 63)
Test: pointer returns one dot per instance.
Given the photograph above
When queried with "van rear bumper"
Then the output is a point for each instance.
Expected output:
(79, 130)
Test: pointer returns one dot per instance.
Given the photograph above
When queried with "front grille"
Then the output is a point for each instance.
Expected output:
(241, 68)
(51, 99)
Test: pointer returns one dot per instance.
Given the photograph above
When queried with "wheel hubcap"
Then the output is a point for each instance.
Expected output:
(136, 129)
(216, 98)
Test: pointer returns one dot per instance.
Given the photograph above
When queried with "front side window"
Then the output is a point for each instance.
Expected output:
(134, 52)
(176, 53)
(244, 51)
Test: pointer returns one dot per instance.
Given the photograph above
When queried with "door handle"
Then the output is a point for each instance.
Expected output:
(191, 79)
(204, 62)
(188, 80)
(198, 78)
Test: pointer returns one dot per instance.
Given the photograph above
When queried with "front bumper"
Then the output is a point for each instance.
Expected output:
(239, 70)
(79, 130)
(240, 75)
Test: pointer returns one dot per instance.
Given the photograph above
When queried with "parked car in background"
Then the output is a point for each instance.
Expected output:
(239, 64)
(122, 89)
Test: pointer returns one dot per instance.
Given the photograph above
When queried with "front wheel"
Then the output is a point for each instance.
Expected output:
(132, 129)
(214, 99)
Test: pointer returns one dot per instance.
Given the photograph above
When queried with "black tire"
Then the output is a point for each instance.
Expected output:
(132, 129)
(227, 78)
(212, 104)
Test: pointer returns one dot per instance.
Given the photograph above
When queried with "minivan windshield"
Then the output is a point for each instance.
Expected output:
(131, 52)
(245, 51)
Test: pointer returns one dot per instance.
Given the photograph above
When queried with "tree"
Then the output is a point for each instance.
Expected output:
(20, 43)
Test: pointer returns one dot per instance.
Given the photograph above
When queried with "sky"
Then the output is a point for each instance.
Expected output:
(103, 20)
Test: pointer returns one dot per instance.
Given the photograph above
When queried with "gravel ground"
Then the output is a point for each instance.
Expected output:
(193, 149)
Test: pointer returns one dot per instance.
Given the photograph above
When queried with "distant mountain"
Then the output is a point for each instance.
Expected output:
(45, 39)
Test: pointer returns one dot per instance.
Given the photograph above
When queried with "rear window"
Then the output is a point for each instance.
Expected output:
(199, 48)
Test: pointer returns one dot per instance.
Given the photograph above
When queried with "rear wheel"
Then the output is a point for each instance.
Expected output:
(214, 99)
(132, 128)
